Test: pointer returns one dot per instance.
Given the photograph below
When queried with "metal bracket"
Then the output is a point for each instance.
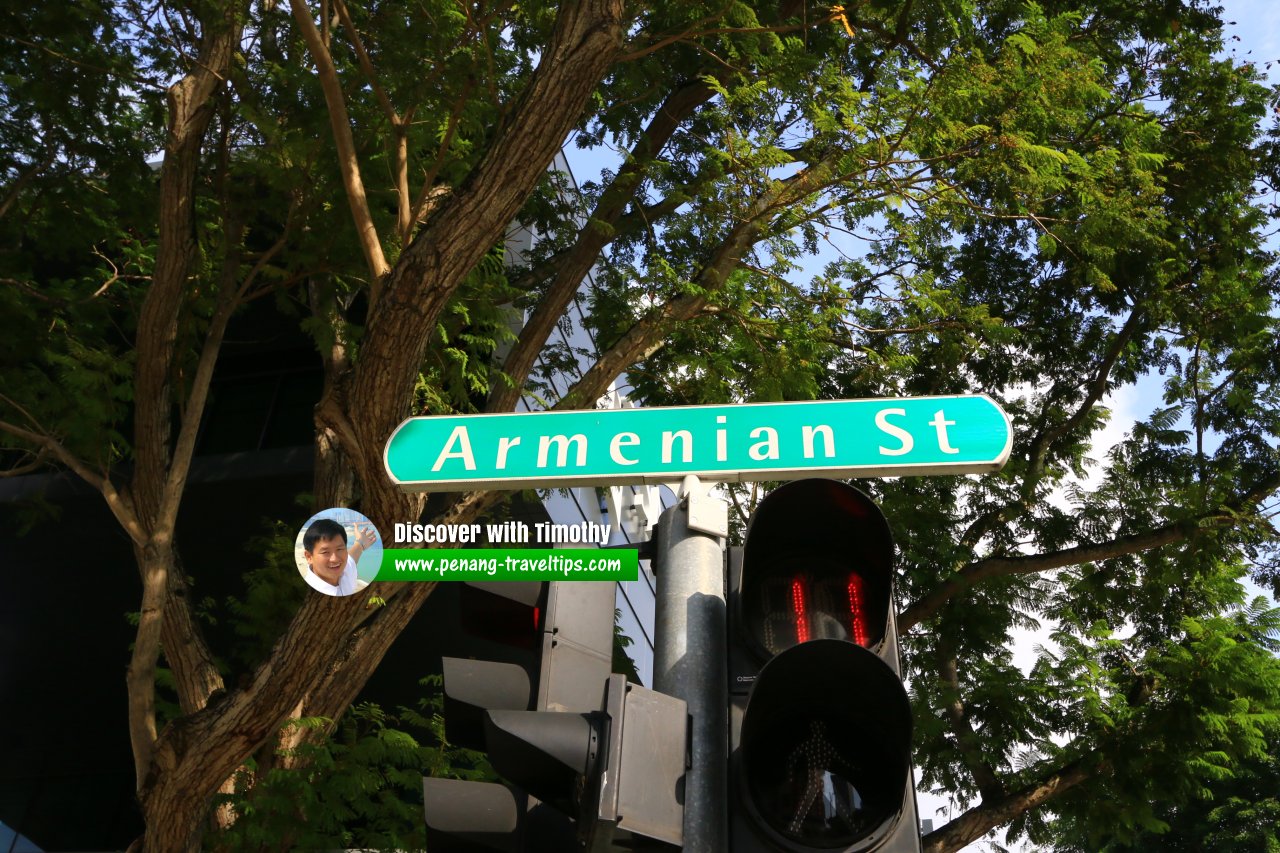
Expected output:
(707, 514)
(634, 509)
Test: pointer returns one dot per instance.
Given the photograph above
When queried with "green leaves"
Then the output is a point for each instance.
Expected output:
(1210, 698)
(360, 786)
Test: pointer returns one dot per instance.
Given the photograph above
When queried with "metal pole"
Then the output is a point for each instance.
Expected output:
(691, 655)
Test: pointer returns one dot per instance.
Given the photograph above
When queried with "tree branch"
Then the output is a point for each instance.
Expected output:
(720, 31)
(399, 125)
(36, 462)
(993, 567)
(1043, 442)
(583, 46)
(983, 818)
(184, 448)
(1096, 388)
(366, 64)
(25, 178)
(574, 267)
(642, 216)
(120, 505)
(650, 333)
(1176, 531)
(348, 163)
(898, 38)
(989, 784)
(422, 205)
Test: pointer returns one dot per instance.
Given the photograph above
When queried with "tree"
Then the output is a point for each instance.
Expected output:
(361, 786)
(1238, 813)
(1042, 202)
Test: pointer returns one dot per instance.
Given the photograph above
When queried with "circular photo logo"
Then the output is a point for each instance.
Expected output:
(338, 551)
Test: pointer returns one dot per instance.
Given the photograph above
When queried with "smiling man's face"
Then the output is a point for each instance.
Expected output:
(328, 558)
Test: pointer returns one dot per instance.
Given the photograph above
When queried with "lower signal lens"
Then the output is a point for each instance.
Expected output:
(825, 746)
(819, 785)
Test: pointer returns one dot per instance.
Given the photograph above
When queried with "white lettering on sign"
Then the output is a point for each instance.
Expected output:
(623, 439)
(882, 421)
(941, 423)
(828, 440)
(504, 445)
(767, 449)
(562, 449)
(459, 435)
(686, 445)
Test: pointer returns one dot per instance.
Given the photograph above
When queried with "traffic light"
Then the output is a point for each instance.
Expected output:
(820, 724)
(591, 758)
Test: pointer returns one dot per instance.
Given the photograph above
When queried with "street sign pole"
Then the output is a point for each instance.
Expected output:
(690, 653)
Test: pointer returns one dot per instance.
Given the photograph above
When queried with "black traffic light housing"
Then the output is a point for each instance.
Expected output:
(539, 647)
(820, 724)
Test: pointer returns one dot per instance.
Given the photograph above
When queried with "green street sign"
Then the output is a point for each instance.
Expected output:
(729, 443)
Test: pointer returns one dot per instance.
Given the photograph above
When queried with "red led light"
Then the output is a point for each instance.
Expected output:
(537, 618)
(802, 613)
(857, 611)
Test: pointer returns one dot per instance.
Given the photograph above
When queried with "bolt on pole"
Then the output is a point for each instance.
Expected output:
(691, 656)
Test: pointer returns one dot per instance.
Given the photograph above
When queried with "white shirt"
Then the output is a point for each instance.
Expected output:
(348, 582)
